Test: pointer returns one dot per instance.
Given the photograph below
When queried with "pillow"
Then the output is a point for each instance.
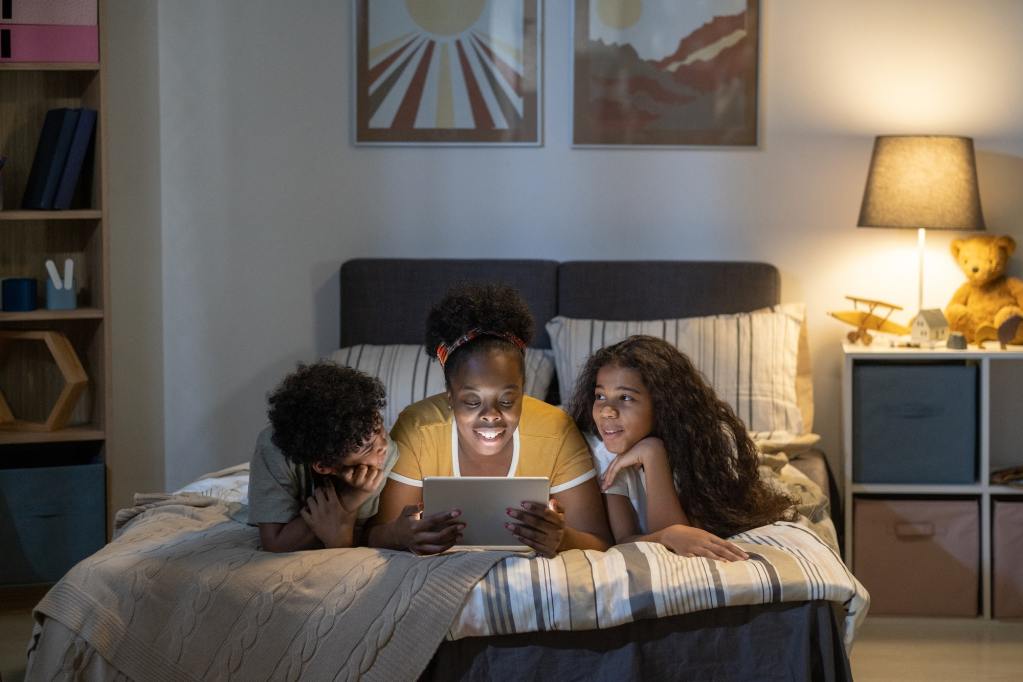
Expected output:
(752, 360)
(409, 374)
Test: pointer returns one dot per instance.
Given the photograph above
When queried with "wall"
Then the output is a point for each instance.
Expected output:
(262, 195)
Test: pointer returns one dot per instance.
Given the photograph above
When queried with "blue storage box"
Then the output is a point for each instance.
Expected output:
(914, 423)
(50, 519)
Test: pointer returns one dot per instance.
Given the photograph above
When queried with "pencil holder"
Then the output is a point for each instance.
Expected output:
(60, 299)
(19, 294)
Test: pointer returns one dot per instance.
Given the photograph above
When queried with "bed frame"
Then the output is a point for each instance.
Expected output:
(387, 300)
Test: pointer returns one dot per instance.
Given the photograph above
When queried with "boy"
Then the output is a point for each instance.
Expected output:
(319, 467)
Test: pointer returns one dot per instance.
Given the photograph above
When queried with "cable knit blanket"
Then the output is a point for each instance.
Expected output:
(184, 593)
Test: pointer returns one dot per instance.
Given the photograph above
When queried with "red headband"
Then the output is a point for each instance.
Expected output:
(444, 351)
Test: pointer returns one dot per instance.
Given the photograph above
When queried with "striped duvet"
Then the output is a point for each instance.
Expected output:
(586, 590)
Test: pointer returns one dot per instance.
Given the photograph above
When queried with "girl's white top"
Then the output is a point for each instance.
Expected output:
(630, 482)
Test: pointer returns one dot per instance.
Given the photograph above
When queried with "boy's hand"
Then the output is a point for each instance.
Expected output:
(636, 456)
(430, 535)
(360, 484)
(329, 521)
(540, 526)
(689, 541)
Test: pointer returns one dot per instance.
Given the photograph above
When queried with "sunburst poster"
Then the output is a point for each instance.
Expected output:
(665, 72)
(447, 71)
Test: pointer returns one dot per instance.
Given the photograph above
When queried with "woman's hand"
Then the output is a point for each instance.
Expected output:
(637, 456)
(360, 482)
(330, 522)
(427, 535)
(539, 526)
(689, 541)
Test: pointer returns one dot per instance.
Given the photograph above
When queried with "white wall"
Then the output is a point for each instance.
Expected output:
(263, 195)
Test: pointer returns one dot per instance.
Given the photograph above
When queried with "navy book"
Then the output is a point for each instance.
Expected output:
(51, 153)
(80, 141)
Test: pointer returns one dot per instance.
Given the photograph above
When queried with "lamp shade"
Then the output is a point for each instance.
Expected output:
(927, 181)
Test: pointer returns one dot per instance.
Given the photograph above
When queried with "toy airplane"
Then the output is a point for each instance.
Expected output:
(865, 320)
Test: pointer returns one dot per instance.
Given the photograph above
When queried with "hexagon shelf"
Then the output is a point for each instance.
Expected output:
(75, 381)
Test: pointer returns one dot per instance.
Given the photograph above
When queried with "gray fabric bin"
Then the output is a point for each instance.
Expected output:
(914, 423)
(50, 519)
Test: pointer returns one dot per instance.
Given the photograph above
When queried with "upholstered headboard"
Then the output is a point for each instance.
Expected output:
(386, 300)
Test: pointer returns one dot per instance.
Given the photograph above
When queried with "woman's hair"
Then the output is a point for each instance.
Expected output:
(712, 459)
(496, 311)
(323, 411)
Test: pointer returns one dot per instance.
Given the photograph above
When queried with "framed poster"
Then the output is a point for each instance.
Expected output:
(665, 72)
(447, 71)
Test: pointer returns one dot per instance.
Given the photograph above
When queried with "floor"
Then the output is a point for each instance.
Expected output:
(903, 649)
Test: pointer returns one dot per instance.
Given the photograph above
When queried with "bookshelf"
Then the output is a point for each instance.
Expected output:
(29, 379)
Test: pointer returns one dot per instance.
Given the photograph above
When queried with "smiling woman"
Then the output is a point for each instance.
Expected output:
(483, 425)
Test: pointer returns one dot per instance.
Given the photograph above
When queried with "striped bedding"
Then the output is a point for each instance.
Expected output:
(586, 590)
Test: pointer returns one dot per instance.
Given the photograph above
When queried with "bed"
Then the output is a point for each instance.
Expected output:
(183, 591)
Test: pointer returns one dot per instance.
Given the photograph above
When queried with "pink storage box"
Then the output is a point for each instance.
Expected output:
(918, 557)
(73, 12)
(35, 43)
(1008, 560)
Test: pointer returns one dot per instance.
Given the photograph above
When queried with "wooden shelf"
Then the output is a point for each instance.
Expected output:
(84, 214)
(49, 66)
(68, 435)
(43, 315)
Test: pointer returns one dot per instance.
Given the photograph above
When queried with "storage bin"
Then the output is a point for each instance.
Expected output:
(48, 43)
(50, 519)
(918, 557)
(1007, 547)
(914, 423)
(77, 12)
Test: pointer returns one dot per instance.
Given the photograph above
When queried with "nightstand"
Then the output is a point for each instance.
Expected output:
(922, 432)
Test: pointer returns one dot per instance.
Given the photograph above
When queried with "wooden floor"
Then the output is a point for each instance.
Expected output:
(903, 649)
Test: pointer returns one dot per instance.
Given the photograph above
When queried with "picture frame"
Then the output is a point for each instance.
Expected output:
(448, 72)
(665, 73)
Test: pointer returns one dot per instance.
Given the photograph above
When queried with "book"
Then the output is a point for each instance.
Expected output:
(51, 154)
(80, 142)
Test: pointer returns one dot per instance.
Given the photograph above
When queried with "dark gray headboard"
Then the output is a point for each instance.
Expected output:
(386, 300)
(655, 290)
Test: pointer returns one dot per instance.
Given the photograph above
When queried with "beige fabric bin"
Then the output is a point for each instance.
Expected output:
(1008, 560)
(918, 557)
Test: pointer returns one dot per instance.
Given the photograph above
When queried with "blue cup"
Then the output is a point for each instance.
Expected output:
(60, 299)
(19, 294)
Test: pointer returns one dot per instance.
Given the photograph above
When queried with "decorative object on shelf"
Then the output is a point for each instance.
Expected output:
(663, 72)
(60, 291)
(866, 320)
(924, 182)
(956, 341)
(989, 305)
(448, 72)
(929, 327)
(1009, 476)
(75, 381)
(19, 294)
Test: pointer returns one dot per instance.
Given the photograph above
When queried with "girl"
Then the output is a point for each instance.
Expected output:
(677, 466)
(483, 425)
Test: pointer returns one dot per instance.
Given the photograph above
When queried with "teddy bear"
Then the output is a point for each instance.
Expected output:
(989, 305)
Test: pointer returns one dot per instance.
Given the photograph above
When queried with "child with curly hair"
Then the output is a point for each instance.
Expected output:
(483, 425)
(677, 466)
(318, 469)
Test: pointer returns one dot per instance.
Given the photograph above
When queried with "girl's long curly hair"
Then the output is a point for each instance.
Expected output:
(712, 459)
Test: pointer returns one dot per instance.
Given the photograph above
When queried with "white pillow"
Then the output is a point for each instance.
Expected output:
(751, 359)
(409, 374)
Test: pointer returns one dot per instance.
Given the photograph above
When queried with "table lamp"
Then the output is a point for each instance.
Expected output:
(923, 182)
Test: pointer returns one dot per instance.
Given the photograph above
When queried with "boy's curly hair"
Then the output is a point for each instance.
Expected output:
(324, 411)
(486, 306)
(712, 459)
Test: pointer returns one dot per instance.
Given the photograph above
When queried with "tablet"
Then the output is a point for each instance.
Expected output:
(484, 501)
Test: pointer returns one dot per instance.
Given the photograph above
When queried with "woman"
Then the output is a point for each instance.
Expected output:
(483, 425)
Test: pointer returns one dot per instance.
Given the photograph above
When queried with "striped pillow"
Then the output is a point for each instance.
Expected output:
(751, 359)
(409, 374)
